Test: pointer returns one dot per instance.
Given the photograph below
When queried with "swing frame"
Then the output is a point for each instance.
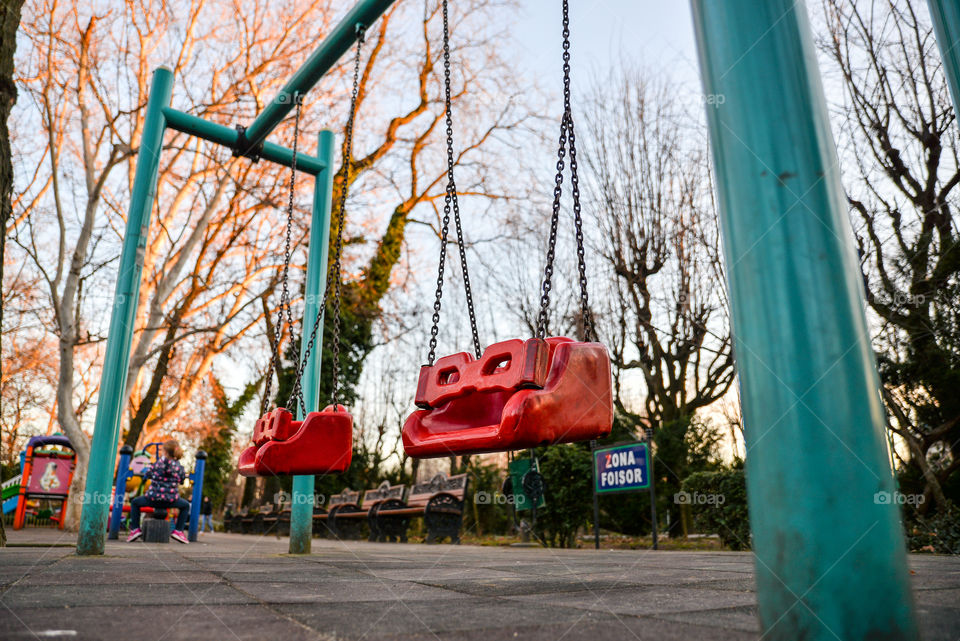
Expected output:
(799, 275)
(250, 142)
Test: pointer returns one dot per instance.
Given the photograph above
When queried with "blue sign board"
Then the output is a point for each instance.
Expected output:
(622, 468)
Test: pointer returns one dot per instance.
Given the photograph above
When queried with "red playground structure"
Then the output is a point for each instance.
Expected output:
(47, 474)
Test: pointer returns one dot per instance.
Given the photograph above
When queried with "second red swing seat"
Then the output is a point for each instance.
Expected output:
(322, 443)
(519, 394)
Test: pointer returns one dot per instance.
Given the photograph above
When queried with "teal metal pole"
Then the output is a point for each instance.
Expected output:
(829, 550)
(106, 430)
(227, 137)
(301, 510)
(946, 26)
(337, 43)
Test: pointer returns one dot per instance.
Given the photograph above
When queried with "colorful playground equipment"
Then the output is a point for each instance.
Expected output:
(129, 484)
(47, 471)
(829, 558)
(10, 492)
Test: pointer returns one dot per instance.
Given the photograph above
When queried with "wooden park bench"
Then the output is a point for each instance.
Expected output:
(252, 523)
(373, 500)
(322, 522)
(236, 523)
(277, 520)
(439, 501)
(349, 510)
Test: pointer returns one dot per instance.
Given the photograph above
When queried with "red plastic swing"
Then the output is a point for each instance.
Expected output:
(519, 394)
(322, 443)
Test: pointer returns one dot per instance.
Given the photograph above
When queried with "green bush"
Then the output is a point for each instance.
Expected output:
(682, 447)
(484, 517)
(718, 503)
(567, 475)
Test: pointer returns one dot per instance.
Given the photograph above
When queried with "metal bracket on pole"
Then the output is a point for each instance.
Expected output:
(245, 148)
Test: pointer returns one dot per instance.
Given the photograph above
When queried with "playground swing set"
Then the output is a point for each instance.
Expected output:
(796, 303)
(516, 394)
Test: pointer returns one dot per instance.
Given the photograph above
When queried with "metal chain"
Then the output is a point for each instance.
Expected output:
(567, 137)
(347, 160)
(297, 393)
(275, 364)
(450, 203)
(585, 313)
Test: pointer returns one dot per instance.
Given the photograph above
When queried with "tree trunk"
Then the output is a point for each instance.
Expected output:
(9, 21)
(67, 419)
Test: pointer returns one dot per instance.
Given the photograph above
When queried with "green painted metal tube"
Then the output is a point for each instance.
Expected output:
(338, 42)
(946, 26)
(830, 553)
(106, 431)
(301, 512)
(227, 137)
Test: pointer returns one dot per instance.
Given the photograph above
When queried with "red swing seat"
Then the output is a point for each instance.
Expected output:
(322, 443)
(519, 394)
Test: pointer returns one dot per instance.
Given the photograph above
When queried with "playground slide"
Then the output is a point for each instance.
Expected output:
(10, 492)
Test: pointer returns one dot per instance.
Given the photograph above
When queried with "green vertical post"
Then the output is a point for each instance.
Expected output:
(946, 26)
(829, 550)
(301, 511)
(106, 430)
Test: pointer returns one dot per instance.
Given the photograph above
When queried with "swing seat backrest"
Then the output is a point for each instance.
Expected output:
(322, 443)
(560, 392)
(506, 366)
(277, 425)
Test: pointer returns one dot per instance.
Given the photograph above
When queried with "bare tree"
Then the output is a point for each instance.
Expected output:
(650, 189)
(898, 140)
(9, 21)
(213, 256)
(29, 364)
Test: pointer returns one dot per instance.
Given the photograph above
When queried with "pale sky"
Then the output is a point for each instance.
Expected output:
(656, 34)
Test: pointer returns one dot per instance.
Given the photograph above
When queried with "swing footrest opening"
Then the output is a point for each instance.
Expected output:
(518, 394)
(322, 443)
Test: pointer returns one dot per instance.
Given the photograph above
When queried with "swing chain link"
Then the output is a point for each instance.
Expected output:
(347, 161)
(450, 203)
(297, 393)
(275, 362)
(567, 138)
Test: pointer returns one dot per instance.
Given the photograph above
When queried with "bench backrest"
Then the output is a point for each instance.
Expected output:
(422, 492)
(383, 492)
(346, 496)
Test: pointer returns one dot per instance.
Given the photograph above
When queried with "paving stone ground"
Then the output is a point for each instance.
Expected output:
(233, 587)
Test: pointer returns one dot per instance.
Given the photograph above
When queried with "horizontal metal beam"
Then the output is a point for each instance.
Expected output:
(338, 42)
(227, 137)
